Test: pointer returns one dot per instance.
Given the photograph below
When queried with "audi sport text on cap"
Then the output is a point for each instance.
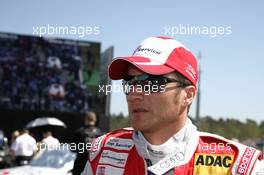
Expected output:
(157, 56)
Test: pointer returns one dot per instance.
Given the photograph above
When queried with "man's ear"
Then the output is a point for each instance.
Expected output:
(190, 94)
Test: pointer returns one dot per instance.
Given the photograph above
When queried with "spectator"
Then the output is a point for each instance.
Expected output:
(14, 135)
(49, 141)
(24, 148)
(85, 135)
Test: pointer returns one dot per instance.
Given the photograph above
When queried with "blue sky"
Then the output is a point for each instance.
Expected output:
(232, 64)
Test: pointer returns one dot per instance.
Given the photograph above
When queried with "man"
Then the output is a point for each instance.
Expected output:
(85, 135)
(159, 80)
(24, 147)
(49, 141)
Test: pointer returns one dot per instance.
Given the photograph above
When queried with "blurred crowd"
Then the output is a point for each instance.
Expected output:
(24, 145)
(36, 74)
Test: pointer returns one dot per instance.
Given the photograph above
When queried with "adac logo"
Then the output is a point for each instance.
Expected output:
(217, 164)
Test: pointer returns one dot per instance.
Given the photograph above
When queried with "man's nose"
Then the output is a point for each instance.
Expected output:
(135, 94)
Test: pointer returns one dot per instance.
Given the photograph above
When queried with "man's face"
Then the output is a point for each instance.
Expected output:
(157, 110)
(90, 120)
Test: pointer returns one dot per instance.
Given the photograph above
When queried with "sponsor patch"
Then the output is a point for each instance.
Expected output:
(113, 158)
(119, 143)
(245, 161)
(217, 164)
(109, 170)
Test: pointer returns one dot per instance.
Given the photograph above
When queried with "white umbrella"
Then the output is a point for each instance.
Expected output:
(45, 121)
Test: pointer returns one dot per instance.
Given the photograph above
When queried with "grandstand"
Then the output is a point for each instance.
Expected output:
(47, 74)
(50, 77)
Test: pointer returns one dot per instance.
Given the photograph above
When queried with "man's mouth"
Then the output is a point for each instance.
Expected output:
(138, 110)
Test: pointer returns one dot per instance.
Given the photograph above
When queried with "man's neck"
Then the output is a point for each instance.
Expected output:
(161, 135)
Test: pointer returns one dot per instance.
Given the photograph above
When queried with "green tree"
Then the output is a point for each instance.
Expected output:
(261, 129)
